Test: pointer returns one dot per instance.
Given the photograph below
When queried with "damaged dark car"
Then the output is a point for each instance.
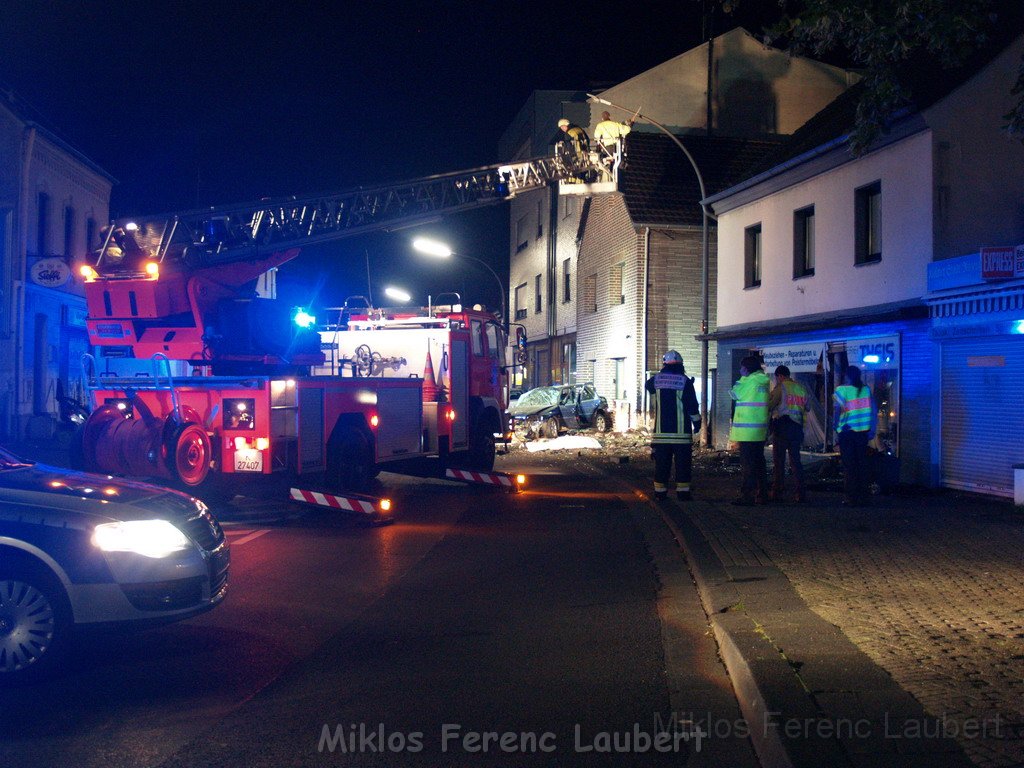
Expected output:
(547, 411)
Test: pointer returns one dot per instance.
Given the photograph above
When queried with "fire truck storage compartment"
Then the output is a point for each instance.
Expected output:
(460, 394)
(311, 429)
(400, 409)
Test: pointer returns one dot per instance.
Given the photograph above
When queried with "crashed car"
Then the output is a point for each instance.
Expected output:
(546, 411)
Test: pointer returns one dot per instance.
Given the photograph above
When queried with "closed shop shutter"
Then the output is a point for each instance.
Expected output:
(982, 413)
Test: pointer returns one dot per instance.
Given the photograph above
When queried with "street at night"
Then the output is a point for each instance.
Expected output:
(477, 611)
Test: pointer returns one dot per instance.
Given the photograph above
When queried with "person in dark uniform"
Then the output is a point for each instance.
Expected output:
(676, 421)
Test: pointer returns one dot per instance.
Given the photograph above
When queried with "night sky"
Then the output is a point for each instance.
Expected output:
(198, 103)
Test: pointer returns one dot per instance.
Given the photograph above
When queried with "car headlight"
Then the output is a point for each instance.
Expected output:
(149, 538)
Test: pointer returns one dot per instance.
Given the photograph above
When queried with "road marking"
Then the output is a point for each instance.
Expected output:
(250, 537)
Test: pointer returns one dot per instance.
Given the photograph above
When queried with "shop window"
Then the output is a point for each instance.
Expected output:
(569, 363)
(520, 300)
(803, 242)
(752, 257)
(566, 282)
(868, 222)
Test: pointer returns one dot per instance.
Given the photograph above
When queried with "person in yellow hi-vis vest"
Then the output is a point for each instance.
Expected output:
(749, 429)
(855, 421)
(786, 405)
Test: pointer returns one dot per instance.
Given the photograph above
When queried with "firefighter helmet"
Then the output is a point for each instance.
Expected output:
(672, 357)
(563, 123)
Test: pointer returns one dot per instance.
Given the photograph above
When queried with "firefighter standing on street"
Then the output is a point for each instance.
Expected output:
(855, 424)
(676, 420)
(749, 429)
(787, 404)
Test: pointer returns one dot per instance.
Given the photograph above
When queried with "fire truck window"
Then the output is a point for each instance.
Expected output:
(478, 343)
(492, 340)
(239, 413)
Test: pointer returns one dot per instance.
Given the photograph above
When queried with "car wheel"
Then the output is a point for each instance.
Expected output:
(601, 421)
(550, 428)
(35, 622)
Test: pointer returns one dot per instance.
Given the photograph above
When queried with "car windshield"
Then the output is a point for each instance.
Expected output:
(9, 461)
(540, 396)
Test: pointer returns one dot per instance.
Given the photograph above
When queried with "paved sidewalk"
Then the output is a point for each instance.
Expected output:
(927, 586)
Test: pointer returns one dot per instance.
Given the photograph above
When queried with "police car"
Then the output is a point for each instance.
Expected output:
(78, 549)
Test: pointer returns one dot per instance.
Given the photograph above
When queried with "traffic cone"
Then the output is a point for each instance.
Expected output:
(429, 382)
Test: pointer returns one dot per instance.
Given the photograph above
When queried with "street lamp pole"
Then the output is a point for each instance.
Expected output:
(442, 251)
(705, 263)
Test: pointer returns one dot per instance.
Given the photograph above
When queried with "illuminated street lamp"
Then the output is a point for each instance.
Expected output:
(397, 294)
(441, 251)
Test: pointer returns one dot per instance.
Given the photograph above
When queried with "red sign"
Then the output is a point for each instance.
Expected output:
(997, 263)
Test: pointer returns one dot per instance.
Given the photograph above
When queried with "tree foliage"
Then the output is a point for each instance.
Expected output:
(886, 39)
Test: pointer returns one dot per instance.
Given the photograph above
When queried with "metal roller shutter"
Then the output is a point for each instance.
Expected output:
(982, 414)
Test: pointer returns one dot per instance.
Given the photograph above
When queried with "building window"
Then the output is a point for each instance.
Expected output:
(566, 281)
(619, 378)
(536, 295)
(868, 222)
(590, 293)
(69, 231)
(569, 363)
(520, 301)
(570, 206)
(90, 233)
(522, 238)
(540, 219)
(803, 242)
(615, 281)
(752, 257)
(43, 224)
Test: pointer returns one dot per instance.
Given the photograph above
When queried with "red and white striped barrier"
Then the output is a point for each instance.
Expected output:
(378, 508)
(500, 479)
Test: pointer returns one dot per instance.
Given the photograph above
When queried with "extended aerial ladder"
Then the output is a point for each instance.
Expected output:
(181, 287)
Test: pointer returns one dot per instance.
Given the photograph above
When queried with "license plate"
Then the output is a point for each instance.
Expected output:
(248, 460)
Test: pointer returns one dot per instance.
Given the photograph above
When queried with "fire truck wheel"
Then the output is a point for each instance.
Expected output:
(189, 455)
(350, 462)
(550, 428)
(481, 449)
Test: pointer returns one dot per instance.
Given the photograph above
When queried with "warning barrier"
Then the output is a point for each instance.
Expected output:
(378, 508)
(499, 479)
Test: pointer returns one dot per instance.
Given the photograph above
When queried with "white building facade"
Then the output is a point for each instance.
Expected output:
(53, 203)
(826, 259)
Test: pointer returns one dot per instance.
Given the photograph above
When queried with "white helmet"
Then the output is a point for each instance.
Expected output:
(672, 357)
(563, 123)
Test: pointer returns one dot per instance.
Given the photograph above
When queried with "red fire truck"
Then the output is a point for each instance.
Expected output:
(262, 396)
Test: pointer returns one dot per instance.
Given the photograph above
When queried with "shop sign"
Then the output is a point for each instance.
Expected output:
(50, 273)
(799, 358)
(1002, 263)
(880, 352)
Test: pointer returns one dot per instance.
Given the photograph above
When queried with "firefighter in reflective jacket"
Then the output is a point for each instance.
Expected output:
(676, 420)
(749, 429)
(787, 404)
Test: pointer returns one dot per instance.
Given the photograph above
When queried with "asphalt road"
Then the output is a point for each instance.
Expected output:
(553, 627)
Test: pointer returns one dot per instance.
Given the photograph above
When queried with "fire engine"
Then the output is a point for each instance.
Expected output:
(261, 396)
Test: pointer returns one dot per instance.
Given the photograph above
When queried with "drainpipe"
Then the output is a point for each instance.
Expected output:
(641, 391)
(16, 325)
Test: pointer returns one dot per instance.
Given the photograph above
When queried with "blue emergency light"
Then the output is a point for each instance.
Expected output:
(302, 318)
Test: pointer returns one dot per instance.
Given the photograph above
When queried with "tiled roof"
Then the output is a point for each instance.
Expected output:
(659, 185)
